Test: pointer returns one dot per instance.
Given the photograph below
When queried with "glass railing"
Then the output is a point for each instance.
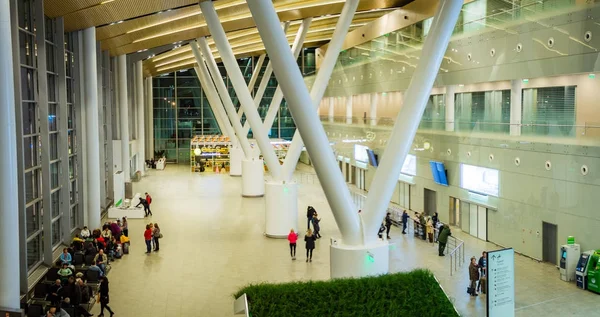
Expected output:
(588, 130)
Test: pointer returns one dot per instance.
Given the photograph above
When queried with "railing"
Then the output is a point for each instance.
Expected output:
(457, 254)
(587, 129)
(306, 178)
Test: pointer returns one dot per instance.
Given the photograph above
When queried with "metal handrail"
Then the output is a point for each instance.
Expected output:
(456, 253)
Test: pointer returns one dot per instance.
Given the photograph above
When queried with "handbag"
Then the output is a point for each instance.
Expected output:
(160, 236)
(98, 298)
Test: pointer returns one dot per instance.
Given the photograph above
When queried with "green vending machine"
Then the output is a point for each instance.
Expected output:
(594, 273)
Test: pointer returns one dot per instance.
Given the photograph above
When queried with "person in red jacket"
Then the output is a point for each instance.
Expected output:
(292, 238)
(148, 198)
(148, 238)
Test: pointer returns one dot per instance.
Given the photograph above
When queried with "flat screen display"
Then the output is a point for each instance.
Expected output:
(360, 153)
(438, 171)
(479, 179)
(410, 165)
(372, 158)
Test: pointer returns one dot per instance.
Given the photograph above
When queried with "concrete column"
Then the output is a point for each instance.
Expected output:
(331, 109)
(141, 125)
(516, 110)
(90, 82)
(349, 109)
(373, 109)
(9, 192)
(449, 102)
(124, 116)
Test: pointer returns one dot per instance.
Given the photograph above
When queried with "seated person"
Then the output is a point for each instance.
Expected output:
(124, 239)
(90, 249)
(101, 260)
(65, 272)
(85, 233)
(84, 289)
(55, 293)
(66, 257)
(78, 243)
(100, 243)
(115, 229)
(97, 269)
(75, 304)
(54, 311)
(111, 247)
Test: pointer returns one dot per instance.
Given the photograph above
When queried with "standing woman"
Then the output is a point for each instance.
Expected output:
(316, 226)
(125, 227)
(473, 276)
(292, 238)
(430, 229)
(104, 299)
(309, 238)
(156, 233)
(148, 238)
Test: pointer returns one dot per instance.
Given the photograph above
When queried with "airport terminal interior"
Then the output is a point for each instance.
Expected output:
(182, 150)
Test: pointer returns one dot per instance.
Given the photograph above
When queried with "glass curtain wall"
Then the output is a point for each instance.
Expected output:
(46, 101)
(483, 111)
(182, 111)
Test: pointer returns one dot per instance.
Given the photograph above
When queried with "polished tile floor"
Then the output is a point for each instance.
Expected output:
(213, 244)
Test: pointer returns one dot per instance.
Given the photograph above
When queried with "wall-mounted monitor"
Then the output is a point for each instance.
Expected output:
(410, 165)
(438, 171)
(479, 179)
(360, 153)
(372, 158)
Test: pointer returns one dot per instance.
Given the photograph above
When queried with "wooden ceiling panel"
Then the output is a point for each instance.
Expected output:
(58, 8)
(118, 10)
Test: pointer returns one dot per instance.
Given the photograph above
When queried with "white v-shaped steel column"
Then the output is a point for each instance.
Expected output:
(239, 85)
(278, 96)
(307, 120)
(348, 256)
(224, 96)
(409, 117)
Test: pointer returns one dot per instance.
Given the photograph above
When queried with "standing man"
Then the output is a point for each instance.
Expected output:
(482, 264)
(404, 221)
(310, 212)
(388, 224)
(144, 203)
(443, 239)
(148, 199)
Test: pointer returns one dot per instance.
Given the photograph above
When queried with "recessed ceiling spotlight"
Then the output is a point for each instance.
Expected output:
(120, 21)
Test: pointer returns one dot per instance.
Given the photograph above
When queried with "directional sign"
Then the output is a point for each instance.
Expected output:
(501, 283)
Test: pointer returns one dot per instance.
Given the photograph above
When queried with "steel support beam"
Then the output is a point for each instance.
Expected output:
(307, 120)
(320, 84)
(124, 115)
(139, 99)
(217, 87)
(409, 117)
(239, 85)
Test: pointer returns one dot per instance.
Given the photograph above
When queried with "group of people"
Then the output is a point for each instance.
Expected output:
(152, 237)
(478, 275)
(75, 292)
(310, 237)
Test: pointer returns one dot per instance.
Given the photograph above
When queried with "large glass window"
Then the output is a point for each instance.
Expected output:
(549, 111)
(56, 232)
(55, 197)
(32, 216)
(34, 251)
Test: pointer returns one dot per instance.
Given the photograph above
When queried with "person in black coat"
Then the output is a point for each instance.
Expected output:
(104, 298)
(55, 293)
(404, 221)
(381, 231)
(310, 212)
(388, 224)
(435, 219)
(310, 239)
(146, 205)
(316, 226)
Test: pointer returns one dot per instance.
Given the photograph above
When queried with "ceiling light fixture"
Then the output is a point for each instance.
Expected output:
(105, 2)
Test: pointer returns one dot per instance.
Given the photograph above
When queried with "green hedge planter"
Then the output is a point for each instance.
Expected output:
(415, 293)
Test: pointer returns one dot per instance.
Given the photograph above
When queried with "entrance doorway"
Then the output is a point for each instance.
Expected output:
(549, 243)
(454, 212)
(430, 202)
(470, 217)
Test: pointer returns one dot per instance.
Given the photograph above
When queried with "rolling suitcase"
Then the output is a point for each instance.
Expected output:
(119, 252)
(125, 248)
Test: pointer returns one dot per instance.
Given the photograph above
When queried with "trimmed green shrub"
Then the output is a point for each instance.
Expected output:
(415, 293)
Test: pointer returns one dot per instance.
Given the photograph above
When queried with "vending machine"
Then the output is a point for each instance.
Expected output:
(569, 256)
(581, 271)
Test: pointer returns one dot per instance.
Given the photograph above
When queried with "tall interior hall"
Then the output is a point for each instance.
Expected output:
(202, 135)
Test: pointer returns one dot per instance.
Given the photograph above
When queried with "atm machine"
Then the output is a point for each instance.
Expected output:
(593, 283)
(581, 271)
(569, 256)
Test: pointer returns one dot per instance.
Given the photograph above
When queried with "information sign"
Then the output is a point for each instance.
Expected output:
(501, 283)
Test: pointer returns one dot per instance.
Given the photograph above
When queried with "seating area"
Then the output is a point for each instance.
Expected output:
(74, 280)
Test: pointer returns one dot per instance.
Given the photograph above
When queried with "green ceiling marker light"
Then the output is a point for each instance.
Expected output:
(384, 93)
(525, 80)
(285, 189)
(591, 76)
